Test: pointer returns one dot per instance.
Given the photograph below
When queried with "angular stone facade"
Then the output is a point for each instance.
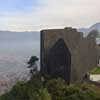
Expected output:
(65, 53)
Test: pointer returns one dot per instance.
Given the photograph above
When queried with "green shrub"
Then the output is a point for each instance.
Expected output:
(51, 89)
(95, 71)
(44, 94)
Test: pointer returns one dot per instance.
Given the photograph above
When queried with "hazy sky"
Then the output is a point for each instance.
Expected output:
(29, 15)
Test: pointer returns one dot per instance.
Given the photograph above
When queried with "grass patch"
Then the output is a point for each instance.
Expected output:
(95, 71)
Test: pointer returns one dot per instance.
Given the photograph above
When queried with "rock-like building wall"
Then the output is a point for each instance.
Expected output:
(65, 53)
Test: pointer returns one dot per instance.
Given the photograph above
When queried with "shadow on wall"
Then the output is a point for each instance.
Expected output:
(60, 65)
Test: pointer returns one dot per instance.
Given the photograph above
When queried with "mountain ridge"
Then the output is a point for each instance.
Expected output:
(93, 27)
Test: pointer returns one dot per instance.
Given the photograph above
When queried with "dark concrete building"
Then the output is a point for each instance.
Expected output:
(65, 53)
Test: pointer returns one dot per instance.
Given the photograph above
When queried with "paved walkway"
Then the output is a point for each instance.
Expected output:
(95, 78)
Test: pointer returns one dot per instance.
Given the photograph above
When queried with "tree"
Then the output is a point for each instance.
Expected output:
(93, 35)
(32, 64)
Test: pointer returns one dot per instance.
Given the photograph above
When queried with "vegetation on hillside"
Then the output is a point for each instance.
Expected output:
(45, 88)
